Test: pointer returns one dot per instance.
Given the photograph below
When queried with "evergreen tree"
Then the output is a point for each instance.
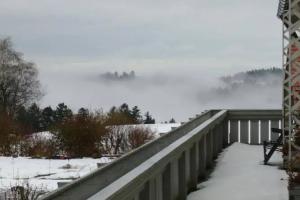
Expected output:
(23, 120)
(148, 119)
(48, 118)
(83, 113)
(34, 116)
(112, 110)
(136, 114)
(128, 116)
(124, 108)
(62, 113)
(22, 116)
(172, 120)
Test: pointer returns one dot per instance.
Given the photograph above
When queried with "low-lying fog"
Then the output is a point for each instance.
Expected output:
(164, 94)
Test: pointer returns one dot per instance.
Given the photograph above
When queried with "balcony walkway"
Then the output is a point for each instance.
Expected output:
(241, 175)
(168, 167)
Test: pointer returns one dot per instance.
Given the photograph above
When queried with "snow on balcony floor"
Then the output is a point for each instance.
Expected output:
(241, 175)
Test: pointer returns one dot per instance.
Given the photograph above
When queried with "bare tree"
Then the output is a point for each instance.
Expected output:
(120, 139)
(138, 136)
(19, 85)
(113, 141)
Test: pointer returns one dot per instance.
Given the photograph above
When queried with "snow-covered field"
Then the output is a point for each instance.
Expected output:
(241, 175)
(44, 173)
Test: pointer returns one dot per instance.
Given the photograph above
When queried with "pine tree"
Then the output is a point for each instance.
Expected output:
(22, 116)
(124, 108)
(172, 120)
(83, 113)
(35, 117)
(23, 120)
(48, 118)
(148, 119)
(62, 113)
(136, 114)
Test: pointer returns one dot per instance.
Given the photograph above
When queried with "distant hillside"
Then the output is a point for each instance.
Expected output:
(257, 77)
(259, 85)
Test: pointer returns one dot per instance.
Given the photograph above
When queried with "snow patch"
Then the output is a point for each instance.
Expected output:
(44, 173)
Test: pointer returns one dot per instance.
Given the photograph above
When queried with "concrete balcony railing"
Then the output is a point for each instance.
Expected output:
(171, 166)
(252, 126)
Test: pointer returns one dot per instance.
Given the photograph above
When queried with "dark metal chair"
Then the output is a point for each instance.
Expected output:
(272, 146)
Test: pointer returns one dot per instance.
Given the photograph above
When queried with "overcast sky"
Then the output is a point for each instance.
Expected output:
(195, 37)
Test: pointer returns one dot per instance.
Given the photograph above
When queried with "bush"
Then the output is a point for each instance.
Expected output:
(123, 138)
(42, 148)
(79, 135)
(138, 136)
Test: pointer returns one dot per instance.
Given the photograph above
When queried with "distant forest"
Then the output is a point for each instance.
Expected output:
(109, 76)
(256, 76)
(252, 80)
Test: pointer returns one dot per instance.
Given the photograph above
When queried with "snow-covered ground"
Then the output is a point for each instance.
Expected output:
(241, 175)
(157, 129)
(162, 128)
(44, 173)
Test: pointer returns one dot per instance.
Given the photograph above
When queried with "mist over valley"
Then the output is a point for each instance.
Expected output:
(166, 95)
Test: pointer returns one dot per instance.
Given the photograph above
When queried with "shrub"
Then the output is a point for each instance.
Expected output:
(42, 148)
(123, 138)
(138, 136)
(79, 135)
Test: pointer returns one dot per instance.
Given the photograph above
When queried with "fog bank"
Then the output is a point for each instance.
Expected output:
(164, 94)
